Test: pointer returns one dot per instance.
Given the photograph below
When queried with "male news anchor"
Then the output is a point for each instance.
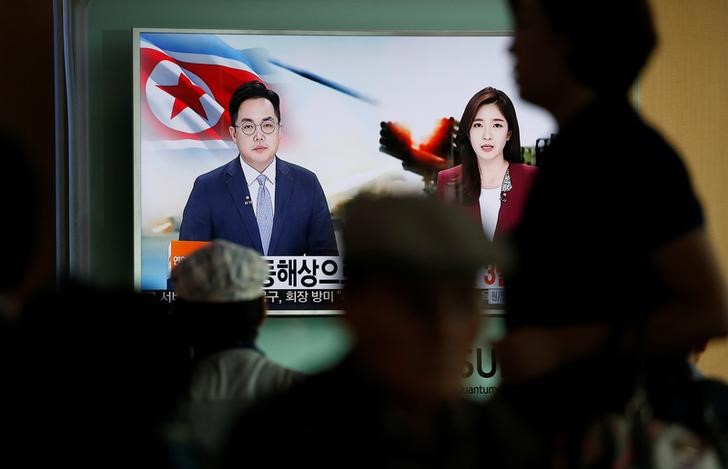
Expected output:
(258, 200)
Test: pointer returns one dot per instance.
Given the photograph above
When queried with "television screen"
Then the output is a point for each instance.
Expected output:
(336, 89)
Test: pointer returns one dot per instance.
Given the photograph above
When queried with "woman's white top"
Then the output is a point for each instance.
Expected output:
(489, 207)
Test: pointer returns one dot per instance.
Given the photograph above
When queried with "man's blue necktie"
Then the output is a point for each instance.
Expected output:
(264, 209)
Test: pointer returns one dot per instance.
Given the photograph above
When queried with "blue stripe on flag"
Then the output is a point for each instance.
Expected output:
(206, 44)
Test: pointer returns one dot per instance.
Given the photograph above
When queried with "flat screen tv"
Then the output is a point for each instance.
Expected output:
(336, 89)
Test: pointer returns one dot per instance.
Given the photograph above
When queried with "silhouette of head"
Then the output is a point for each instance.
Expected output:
(410, 298)
(220, 295)
(20, 206)
(604, 49)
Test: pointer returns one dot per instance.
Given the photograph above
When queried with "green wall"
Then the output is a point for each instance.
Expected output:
(303, 343)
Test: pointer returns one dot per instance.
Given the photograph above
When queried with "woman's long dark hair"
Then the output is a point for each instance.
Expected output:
(464, 152)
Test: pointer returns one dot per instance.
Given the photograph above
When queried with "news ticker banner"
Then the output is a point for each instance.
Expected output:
(314, 284)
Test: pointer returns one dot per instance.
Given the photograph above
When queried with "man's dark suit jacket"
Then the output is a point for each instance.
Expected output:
(220, 207)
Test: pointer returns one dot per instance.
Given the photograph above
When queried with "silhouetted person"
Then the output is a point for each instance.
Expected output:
(613, 235)
(20, 204)
(20, 207)
(221, 305)
(99, 374)
(90, 377)
(396, 399)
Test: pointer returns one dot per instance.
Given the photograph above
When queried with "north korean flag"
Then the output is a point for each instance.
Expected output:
(186, 81)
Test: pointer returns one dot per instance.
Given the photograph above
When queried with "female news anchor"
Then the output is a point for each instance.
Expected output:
(490, 180)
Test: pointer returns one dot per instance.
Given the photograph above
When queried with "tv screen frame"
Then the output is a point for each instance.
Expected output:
(336, 88)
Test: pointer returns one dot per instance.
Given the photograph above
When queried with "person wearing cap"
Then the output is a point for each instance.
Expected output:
(395, 400)
(221, 305)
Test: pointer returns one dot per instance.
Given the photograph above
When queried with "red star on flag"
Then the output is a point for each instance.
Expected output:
(186, 95)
